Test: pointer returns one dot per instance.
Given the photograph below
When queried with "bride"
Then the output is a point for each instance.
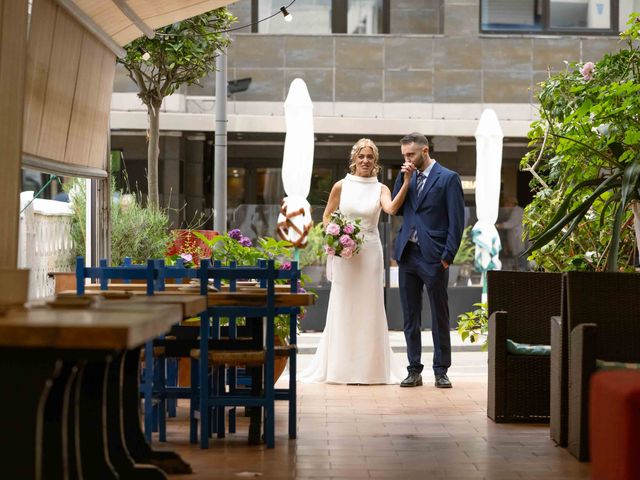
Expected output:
(354, 347)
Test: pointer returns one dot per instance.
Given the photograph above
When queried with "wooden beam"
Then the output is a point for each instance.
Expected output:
(13, 54)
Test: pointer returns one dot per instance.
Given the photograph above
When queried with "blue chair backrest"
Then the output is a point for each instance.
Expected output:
(265, 272)
(293, 275)
(104, 273)
(178, 272)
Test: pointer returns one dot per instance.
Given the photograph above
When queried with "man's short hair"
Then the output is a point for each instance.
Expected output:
(415, 137)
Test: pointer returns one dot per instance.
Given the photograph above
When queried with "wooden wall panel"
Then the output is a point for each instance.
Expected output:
(43, 19)
(100, 131)
(61, 86)
(85, 102)
(69, 83)
(13, 43)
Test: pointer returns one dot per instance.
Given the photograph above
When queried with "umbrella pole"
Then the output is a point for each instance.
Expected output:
(483, 299)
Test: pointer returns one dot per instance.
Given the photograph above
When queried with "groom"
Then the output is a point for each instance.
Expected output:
(433, 220)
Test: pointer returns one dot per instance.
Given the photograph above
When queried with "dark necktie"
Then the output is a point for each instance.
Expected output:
(420, 182)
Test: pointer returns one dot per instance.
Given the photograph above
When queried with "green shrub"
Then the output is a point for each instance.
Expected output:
(136, 231)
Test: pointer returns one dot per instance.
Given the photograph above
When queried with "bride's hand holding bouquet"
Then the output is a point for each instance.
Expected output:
(342, 236)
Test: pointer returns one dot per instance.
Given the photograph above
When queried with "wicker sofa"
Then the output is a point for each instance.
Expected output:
(601, 321)
(520, 307)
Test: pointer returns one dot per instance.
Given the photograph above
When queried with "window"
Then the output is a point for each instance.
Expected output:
(364, 16)
(324, 16)
(554, 16)
(309, 16)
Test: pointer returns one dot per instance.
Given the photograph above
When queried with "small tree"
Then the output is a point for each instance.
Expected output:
(180, 54)
(586, 163)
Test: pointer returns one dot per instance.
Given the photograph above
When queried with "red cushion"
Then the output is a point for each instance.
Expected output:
(614, 425)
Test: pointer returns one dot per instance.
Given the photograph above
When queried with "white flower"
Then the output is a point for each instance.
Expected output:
(146, 56)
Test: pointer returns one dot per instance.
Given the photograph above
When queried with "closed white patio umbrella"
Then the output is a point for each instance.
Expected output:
(294, 221)
(488, 166)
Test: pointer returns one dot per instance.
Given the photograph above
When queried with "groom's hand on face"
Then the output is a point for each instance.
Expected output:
(407, 169)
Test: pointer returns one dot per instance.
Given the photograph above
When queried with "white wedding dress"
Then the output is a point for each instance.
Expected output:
(354, 347)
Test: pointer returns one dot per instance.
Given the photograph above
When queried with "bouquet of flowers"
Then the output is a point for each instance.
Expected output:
(341, 236)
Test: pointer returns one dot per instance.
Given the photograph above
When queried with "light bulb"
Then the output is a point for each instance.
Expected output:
(287, 16)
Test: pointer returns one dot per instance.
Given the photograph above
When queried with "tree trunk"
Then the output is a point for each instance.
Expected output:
(635, 206)
(153, 153)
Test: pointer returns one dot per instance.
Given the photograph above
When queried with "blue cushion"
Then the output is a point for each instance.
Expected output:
(515, 348)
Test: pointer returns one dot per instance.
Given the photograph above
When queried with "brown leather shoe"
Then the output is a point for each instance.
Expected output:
(412, 380)
(442, 381)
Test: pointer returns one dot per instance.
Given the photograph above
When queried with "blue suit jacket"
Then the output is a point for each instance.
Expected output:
(438, 215)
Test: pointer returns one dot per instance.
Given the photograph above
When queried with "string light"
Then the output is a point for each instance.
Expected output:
(287, 16)
(283, 10)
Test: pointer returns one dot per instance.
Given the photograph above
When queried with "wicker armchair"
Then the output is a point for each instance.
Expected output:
(602, 323)
(520, 307)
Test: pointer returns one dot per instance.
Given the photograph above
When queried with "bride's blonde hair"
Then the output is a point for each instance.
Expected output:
(355, 150)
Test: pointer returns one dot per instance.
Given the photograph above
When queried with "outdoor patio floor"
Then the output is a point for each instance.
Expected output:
(386, 432)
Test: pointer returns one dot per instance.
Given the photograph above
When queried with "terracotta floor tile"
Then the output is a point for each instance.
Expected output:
(383, 432)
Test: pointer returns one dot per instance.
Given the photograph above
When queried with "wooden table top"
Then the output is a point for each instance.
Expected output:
(245, 296)
(257, 298)
(192, 304)
(169, 288)
(89, 328)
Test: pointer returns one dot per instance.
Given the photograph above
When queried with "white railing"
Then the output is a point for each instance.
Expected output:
(45, 243)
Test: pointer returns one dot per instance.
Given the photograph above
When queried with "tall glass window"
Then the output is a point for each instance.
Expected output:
(364, 16)
(582, 14)
(309, 16)
(626, 8)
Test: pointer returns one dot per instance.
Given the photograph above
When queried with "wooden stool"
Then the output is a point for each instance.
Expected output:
(614, 425)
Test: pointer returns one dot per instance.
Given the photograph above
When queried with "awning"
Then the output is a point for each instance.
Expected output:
(70, 69)
(126, 20)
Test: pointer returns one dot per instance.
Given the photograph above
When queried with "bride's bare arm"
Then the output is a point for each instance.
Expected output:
(333, 203)
(391, 206)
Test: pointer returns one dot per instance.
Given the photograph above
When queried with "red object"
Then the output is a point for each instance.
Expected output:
(614, 425)
(185, 242)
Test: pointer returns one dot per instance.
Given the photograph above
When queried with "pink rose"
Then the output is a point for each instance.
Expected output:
(328, 250)
(346, 252)
(349, 228)
(332, 229)
(347, 242)
(187, 257)
(587, 70)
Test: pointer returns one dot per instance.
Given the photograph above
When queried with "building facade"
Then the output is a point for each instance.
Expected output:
(374, 68)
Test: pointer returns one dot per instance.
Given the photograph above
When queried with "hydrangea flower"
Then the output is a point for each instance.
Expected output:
(235, 234)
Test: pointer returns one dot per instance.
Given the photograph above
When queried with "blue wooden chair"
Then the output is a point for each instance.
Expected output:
(175, 345)
(234, 352)
(291, 350)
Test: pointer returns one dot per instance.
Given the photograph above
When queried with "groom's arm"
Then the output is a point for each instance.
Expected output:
(396, 188)
(455, 213)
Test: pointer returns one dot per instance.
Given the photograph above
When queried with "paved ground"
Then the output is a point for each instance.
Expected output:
(386, 432)
(467, 359)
